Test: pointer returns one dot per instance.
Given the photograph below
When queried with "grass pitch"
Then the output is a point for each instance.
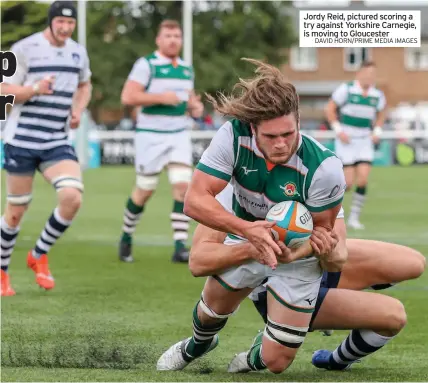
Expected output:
(109, 321)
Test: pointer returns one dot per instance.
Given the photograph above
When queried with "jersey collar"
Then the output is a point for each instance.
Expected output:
(173, 61)
(357, 84)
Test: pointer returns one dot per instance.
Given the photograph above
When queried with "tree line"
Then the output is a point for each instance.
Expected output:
(119, 32)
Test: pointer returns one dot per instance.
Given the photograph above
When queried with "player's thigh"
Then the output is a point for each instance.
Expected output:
(60, 162)
(151, 153)
(20, 165)
(375, 262)
(235, 283)
(347, 309)
(221, 298)
(62, 168)
(19, 184)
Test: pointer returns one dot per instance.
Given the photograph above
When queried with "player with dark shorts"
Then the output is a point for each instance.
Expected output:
(52, 88)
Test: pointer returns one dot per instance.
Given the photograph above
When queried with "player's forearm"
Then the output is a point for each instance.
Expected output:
(208, 211)
(331, 113)
(141, 99)
(335, 261)
(209, 258)
(21, 93)
(303, 251)
(82, 97)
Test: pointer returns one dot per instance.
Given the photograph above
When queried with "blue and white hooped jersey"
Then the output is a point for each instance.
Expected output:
(42, 122)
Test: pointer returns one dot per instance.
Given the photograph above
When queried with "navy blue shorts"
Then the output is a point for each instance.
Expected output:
(27, 161)
(326, 284)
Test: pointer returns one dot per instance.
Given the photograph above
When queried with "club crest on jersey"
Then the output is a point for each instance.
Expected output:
(76, 57)
(290, 189)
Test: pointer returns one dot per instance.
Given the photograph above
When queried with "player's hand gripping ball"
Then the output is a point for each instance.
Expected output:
(293, 223)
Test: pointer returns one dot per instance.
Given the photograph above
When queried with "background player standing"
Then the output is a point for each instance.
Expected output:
(52, 88)
(161, 84)
(354, 109)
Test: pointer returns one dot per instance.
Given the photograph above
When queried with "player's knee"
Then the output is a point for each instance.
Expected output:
(70, 198)
(417, 265)
(179, 191)
(397, 318)
(14, 213)
(277, 362)
(286, 340)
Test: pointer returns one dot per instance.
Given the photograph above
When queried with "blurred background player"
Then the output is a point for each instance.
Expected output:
(52, 88)
(161, 84)
(354, 109)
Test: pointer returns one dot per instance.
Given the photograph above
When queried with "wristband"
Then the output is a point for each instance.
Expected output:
(36, 88)
(377, 131)
(335, 125)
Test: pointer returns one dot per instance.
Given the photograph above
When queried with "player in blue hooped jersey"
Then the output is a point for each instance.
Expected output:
(52, 88)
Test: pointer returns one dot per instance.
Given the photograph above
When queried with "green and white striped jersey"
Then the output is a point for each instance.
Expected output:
(358, 112)
(313, 175)
(159, 74)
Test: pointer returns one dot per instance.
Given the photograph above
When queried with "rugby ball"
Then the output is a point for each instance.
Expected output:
(293, 223)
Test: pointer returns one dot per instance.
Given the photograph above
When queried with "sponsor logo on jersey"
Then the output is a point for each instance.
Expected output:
(290, 189)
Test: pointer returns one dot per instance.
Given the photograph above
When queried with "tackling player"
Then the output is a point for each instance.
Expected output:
(161, 85)
(370, 264)
(354, 109)
(268, 160)
(52, 88)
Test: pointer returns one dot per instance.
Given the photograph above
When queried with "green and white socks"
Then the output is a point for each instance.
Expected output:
(131, 217)
(180, 225)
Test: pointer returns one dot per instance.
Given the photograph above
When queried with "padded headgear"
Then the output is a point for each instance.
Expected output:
(61, 8)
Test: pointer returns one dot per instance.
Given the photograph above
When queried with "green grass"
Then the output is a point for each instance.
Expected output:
(109, 321)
